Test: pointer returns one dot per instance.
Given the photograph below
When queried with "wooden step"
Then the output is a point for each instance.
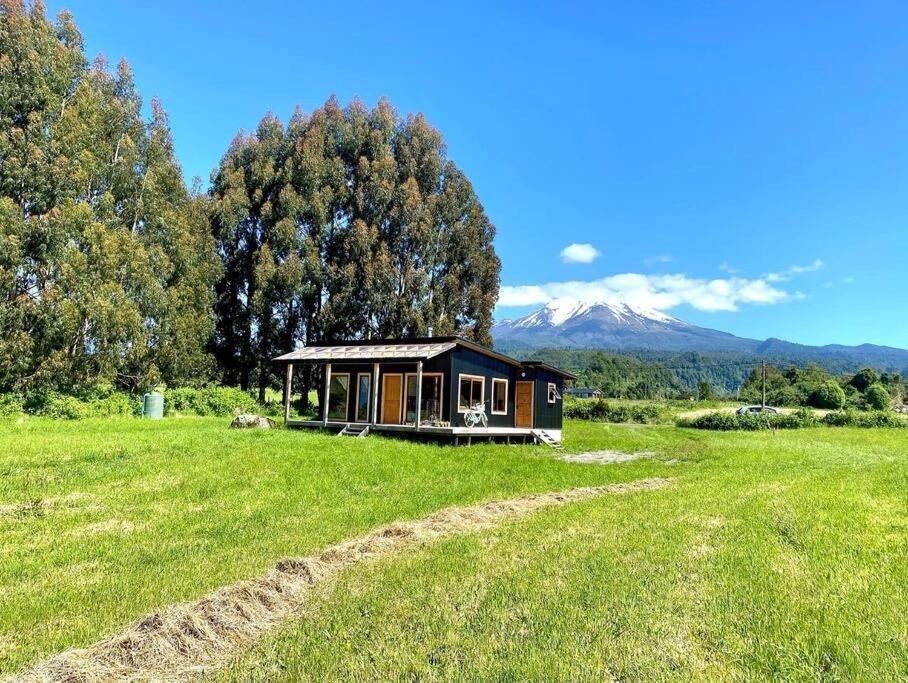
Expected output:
(354, 429)
(546, 438)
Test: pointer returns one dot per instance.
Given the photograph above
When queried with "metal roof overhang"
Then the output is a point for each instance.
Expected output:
(370, 352)
(549, 368)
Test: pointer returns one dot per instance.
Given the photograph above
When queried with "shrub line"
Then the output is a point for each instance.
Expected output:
(800, 419)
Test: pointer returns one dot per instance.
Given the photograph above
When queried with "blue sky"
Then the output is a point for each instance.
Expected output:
(742, 167)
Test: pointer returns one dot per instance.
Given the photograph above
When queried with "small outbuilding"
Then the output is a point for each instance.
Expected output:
(583, 392)
(436, 387)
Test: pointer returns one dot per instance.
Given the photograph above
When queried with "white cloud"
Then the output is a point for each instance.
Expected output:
(661, 258)
(659, 292)
(579, 253)
(788, 273)
(725, 267)
(847, 280)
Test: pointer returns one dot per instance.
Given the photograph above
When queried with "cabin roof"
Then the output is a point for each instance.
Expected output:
(408, 348)
(378, 351)
(549, 368)
(412, 348)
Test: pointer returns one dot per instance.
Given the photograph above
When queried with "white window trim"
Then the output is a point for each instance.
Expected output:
(368, 397)
(499, 380)
(482, 393)
(346, 401)
(548, 394)
(441, 410)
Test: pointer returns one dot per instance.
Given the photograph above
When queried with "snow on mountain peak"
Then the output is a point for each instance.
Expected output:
(557, 312)
(653, 314)
(553, 313)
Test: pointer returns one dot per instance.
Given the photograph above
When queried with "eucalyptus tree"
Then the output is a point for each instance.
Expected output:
(107, 264)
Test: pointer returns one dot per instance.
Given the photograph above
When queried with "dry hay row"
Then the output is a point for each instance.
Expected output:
(187, 639)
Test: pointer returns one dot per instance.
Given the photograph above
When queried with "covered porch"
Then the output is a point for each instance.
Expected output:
(399, 386)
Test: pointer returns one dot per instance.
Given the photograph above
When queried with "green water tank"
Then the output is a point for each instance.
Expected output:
(153, 405)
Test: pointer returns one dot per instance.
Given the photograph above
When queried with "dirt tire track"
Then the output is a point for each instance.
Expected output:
(187, 639)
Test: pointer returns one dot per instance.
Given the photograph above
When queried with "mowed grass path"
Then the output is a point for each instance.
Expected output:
(774, 556)
(102, 522)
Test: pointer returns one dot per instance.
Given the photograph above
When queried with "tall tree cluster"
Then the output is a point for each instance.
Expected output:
(107, 265)
(343, 223)
(346, 223)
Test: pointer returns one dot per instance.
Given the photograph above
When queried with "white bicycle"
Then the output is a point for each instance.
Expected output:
(476, 415)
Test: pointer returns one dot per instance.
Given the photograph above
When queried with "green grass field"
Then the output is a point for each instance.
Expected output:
(773, 554)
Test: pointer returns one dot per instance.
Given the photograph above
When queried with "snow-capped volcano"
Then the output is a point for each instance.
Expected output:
(560, 311)
(604, 324)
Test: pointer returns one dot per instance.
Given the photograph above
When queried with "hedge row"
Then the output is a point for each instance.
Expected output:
(109, 402)
(603, 411)
(211, 401)
(871, 418)
(797, 420)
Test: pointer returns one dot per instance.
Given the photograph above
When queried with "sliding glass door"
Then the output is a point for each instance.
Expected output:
(338, 394)
(430, 410)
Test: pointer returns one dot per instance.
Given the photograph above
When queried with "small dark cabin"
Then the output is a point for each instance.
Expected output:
(432, 387)
(583, 392)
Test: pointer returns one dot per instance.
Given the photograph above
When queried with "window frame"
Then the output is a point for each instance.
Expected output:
(499, 380)
(441, 394)
(552, 386)
(482, 392)
(368, 397)
(346, 399)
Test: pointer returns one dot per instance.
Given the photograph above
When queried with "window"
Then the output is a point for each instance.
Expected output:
(337, 396)
(430, 410)
(363, 397)
(553, 392)
(499, 397)
(471, 392)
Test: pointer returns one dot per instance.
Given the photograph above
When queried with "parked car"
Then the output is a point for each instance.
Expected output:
(755, 410)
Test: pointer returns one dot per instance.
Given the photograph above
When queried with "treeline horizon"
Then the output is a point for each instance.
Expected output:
(346, 222)
(642, 374)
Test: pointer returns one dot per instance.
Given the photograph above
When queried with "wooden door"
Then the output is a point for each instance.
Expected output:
(523, 405)
(391, 402)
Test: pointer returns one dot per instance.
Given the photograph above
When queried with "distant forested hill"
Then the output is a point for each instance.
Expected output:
(727, 371)
(640, 373)
(616, 375)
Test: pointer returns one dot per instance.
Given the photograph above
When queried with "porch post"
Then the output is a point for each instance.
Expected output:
(327, 393)
(375, 393)
(418, 393)
(288, 388)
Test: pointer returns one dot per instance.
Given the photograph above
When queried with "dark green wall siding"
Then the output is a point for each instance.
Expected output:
(546, 415)
(468, 362)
